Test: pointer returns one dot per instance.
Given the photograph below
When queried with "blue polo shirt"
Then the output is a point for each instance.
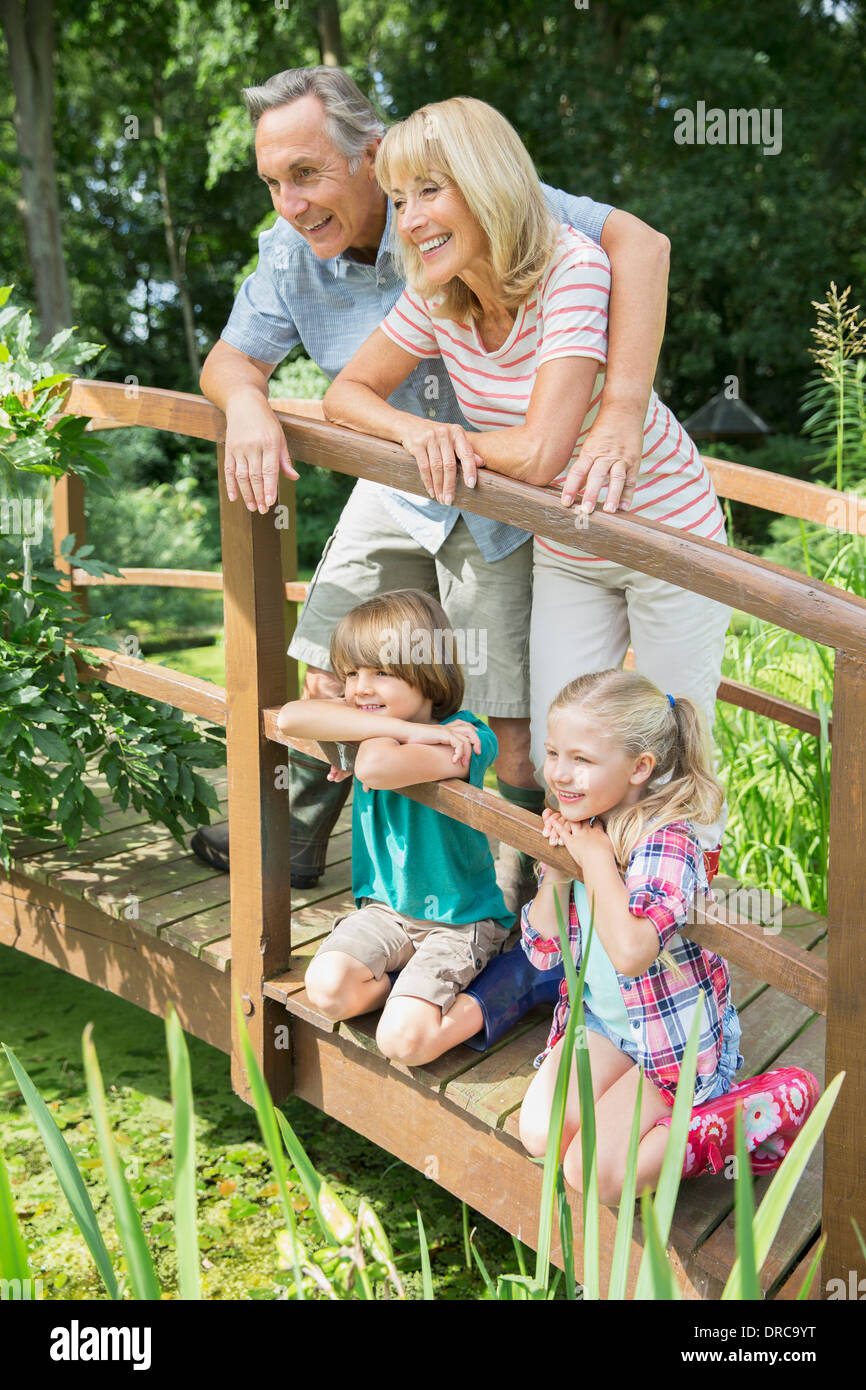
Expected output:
(424, 863)
(332, 307)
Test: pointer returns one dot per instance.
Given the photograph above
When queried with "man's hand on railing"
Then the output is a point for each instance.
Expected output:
(255, 451)
(436, 448)
(611, 453)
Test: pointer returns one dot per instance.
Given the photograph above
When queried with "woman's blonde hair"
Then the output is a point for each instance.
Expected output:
(634, 712)
(477, 149)
(407, 634)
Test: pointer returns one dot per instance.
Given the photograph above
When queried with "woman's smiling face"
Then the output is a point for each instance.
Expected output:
(588, 770)
(434, 218)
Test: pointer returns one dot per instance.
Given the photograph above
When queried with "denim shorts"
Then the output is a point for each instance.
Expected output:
(729, 1062)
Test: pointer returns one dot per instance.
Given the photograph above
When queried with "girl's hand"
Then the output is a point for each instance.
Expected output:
(582, 838)
(462, 736)
(437, 447)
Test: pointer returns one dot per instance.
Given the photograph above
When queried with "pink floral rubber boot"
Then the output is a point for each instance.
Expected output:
(775, 1105)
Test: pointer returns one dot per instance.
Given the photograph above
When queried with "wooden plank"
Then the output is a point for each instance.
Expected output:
(261, 895)
(774, 492)
(116, 956)
(189, 693)
(845, 1186)
(159, 578)
(480, 1165)
(494, 1089)
(773, 706)
(219, 954)
(69, 519)
(781, 596)
(790, 1290)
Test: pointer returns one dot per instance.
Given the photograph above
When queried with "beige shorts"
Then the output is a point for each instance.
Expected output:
(436, 960)
(488, 603)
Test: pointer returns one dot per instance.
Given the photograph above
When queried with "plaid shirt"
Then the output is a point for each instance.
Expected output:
(665, 872)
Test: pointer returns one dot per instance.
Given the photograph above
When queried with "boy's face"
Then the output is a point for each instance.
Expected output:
(377, 692)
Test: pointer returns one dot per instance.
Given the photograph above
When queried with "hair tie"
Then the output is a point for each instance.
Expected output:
(673, 702)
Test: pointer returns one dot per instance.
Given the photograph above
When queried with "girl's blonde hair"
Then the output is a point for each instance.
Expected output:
(682, 785)
(480, 152)
(407, 634)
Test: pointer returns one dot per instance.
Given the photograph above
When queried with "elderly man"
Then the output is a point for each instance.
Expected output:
(325, 278)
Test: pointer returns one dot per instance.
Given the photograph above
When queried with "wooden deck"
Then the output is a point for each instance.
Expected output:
(130, 910)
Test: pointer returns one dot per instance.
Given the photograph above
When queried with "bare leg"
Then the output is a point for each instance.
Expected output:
(513, 763)
(340, 986)
(607, 1065)
(413, 1031)
(614, 1111)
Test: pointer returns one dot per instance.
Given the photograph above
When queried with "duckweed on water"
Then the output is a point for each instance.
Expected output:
(43, 1012)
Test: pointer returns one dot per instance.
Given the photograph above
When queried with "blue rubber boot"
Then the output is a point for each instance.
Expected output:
(505, 990)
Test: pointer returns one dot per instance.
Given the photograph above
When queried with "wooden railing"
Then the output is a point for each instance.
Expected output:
(259, 573)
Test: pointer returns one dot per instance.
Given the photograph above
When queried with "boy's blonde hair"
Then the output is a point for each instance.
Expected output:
(408, 634)
(480, 152)
(634, 712)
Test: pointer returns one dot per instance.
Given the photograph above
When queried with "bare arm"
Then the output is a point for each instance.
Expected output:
(611, 453)
(255, 446)
(393, 752)
(538, 450)
(358, 399)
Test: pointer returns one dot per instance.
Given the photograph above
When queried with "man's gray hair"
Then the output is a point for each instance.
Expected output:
(351, 122)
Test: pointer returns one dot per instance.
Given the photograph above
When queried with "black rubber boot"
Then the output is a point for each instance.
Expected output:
(315, 806)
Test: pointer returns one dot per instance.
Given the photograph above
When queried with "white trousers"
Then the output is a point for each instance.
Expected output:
(584, 618)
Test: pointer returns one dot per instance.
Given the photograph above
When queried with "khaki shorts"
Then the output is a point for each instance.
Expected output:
(436, 960)
(488, 604)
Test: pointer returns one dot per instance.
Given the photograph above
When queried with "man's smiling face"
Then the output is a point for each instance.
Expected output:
(311, 186)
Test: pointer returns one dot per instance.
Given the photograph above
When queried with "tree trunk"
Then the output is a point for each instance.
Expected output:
(330, 37)
(176, 255)
(29, 29)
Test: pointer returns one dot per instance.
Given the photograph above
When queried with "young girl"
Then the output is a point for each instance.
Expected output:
(630, 769)
(424, 884)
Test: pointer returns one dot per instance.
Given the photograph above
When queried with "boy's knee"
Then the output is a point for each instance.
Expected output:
(325, 985)
(406, 1040)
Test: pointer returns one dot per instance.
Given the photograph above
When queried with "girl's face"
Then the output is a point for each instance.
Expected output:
(588, 770)
(376, 692)
(434, 218)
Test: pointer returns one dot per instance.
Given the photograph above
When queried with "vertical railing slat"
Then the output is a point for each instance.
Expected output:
(254, 602)
(69, 519)
(844, 1162)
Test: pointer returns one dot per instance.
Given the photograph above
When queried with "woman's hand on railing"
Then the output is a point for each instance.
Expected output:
(611, 454)
(255, 451)
(436, 448)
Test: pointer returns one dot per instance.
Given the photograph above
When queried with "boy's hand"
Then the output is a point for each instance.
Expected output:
(462, 736)
(338, 774)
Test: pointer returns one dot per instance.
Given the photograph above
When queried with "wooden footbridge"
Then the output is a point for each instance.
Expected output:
(130, 911)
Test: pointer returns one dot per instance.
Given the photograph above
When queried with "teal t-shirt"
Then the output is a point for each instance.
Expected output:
(601, 989)
(421, 862)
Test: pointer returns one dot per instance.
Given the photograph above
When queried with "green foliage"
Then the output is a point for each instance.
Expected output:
(51, 726)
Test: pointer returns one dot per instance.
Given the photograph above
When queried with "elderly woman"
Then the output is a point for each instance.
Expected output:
(516, 306)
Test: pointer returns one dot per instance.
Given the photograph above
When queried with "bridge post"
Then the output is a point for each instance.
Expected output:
(256, 677)
(844, 1168)
(68, 508)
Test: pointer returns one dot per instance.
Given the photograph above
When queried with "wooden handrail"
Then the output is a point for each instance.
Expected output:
(782, 964)
(778, 595)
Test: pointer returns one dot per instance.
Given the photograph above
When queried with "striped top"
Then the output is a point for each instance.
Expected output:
(566, 316)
